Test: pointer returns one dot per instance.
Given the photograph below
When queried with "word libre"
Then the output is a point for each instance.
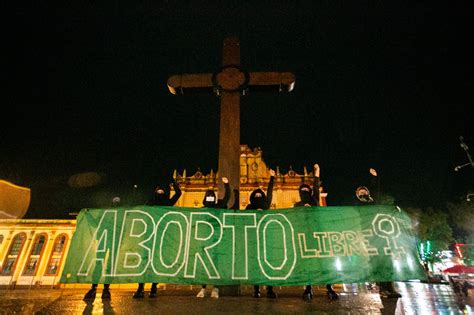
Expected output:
(284, 247)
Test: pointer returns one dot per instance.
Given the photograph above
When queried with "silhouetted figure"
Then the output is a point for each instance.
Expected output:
(161, 197)
(386, 288)
(309, 197)
(260, 201)
(90, 295)
(210, 201)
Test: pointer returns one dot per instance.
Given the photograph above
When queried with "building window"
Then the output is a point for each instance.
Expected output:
(56, 255)
(35, 255)
(13, 253)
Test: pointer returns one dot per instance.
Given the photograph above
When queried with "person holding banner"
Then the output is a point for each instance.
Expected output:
(90, 295)
(258, 201)
(161, 197)
(211, 201)
(386, 289)
(309, 197)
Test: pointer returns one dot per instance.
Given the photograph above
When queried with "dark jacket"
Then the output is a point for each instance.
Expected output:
(374, 192)
(310, 198)
(264, 202)
(221, 203)
(164, 199)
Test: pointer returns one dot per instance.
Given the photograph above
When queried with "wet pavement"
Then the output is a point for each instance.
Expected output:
(417, 298)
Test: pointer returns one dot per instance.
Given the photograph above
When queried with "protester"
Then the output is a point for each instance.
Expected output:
(258, 201)
(309, 197)
(211, 201)
(90, 295)
(161, 197)
(386, 288)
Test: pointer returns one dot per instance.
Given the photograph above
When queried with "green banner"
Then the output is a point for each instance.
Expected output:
(296, 246)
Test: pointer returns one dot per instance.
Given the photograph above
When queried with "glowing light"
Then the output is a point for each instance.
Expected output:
(458, 250)
(14, 200)
(338, 264)
(396, 264)
(373, 172)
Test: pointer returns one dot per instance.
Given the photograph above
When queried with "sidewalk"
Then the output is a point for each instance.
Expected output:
(417, 298)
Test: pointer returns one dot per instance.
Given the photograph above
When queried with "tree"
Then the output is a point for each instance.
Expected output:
(432, 228)
(462, 218)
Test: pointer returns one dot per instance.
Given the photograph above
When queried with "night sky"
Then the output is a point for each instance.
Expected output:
(382, 85)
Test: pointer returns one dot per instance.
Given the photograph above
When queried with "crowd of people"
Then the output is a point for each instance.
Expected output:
(259, 200)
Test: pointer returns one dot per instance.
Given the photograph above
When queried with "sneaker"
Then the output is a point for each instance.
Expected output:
(215, 293)
(256, 294)
(332, 295)
(201, 293)
(153, 293)
(105, 294)
(140, 294)
(90, 295)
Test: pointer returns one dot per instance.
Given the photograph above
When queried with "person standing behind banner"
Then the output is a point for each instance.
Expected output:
(386, 288)
(90, 295)
(161, 197)
(258, 201)
(211, 201)
(309, 197)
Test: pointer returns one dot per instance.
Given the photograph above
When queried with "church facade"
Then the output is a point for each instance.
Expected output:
(33, 252)
(254, 173)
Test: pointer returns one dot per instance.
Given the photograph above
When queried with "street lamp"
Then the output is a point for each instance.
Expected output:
(469, 196)
(466, 149)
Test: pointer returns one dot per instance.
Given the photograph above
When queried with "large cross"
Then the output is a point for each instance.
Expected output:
(229, 82)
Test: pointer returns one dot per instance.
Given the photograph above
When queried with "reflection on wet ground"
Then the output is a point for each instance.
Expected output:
(417, 298)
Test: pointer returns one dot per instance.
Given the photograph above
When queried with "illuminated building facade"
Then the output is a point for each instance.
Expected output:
(32, 252)
(254, 174)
